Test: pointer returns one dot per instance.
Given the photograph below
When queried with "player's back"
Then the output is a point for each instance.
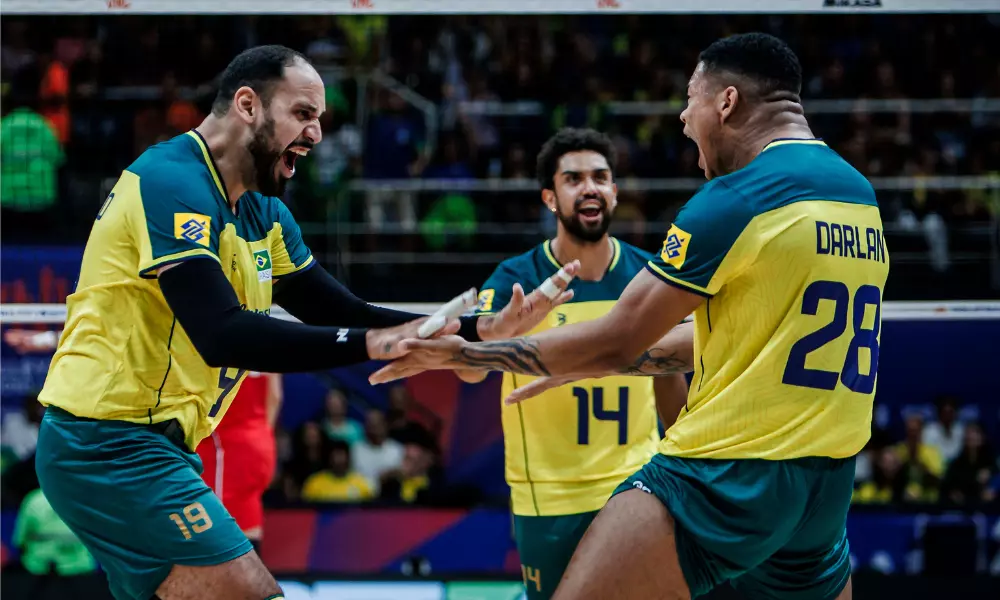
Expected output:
(122, 355)
(566, 452)
(790, 251)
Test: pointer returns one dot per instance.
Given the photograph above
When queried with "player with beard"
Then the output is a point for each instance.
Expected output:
(782, 259)
(170, 312)
(565, 455)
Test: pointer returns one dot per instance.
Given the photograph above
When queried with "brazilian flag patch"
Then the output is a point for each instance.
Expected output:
(262, 260)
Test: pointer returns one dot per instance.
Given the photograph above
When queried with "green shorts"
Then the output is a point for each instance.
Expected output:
(135, 498)
(774, 529)
(545, 545)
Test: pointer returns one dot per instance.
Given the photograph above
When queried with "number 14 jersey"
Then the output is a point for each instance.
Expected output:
(566, 451)
(789, 253)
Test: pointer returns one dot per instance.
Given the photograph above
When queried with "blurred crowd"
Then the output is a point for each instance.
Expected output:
(943, 459)
(111, 87)
(390, 457)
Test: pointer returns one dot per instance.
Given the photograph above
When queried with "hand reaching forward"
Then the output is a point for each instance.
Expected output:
(384, 344)
(524, 313)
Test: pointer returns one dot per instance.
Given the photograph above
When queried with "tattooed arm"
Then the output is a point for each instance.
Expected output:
(667, 361)
(647, 310)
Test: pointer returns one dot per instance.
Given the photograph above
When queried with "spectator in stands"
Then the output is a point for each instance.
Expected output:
(47, 545)
(336, 424)
(947, 433)
(887, 482)
(922, 464)
(377, 455)
(412, 482)
(864, 465)
(30, 156)
(402, 428)
(968, 477)
(20, 428)
(309, 456)
(337, 482)
(394, 150)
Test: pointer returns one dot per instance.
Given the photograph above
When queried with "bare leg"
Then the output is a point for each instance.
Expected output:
(847, 593)
(243, 578)
(629, 552)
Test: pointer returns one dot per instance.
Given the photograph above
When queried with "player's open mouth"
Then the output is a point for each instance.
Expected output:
(288, 158)
(591, 212)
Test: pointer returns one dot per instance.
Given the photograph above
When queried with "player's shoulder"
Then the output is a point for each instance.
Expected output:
(268, 208)
(524, 268)
(790, 171)
(169, 162)
(628, 251)
(173, 172)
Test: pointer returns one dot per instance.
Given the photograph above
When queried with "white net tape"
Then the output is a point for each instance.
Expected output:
(499, 7)
(50, 314)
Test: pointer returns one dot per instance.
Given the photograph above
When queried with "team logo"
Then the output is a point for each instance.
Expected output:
(560, 319)
(675, 247)
(262, 260)
(485, 301)
(192, 227)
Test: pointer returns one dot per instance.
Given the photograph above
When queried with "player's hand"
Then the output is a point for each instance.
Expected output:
(540, 385)
(25, 341)
(419, 356)
(524, 313)
(384, 344)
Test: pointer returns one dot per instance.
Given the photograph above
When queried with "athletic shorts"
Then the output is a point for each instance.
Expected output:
(774, 529)
(239, 469)
(134, 497)
(545, 545)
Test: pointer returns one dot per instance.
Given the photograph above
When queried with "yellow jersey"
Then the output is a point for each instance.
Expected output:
(324, 486)
(567, 451)
(122, 355)
(790, 256)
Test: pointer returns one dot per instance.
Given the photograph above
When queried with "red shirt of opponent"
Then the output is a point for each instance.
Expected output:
(240, 455)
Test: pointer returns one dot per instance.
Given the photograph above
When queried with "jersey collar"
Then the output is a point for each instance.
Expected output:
(220, 185)
(616, 253)
(800, 141)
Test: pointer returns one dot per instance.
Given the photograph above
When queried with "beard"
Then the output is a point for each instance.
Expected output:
(264, 158)
(578, 229)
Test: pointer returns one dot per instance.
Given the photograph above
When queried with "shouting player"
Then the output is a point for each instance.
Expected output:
(782, 259)
(565, 455)
(169, 314)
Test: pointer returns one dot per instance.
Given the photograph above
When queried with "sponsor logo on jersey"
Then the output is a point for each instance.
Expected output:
(485, 301)
(262, 260)
(675, 247)
(193, 227)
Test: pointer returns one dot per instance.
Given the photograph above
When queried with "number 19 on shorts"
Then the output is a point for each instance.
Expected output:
(862, 338)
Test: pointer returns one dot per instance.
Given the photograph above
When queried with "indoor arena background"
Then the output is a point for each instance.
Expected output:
(424, 181)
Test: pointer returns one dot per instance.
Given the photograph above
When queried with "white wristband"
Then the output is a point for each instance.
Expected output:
(452, 310)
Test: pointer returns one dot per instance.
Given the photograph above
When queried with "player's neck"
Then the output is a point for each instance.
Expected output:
(763, 128)
(594, 257)
(229, 155)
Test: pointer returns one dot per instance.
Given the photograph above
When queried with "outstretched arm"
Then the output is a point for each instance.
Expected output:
(669, 358)
(646, 311)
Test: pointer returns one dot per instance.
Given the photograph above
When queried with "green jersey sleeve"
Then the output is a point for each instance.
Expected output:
(711, 241)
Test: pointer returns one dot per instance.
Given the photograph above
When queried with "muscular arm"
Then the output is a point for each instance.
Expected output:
(316, 298)
(622, 341)
(275, 395)
(205, 305)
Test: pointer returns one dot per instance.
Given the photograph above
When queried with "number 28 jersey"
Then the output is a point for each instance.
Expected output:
(123, 356)
(790, 255)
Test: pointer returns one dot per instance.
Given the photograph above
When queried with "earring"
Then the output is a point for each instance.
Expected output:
(553, 209)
